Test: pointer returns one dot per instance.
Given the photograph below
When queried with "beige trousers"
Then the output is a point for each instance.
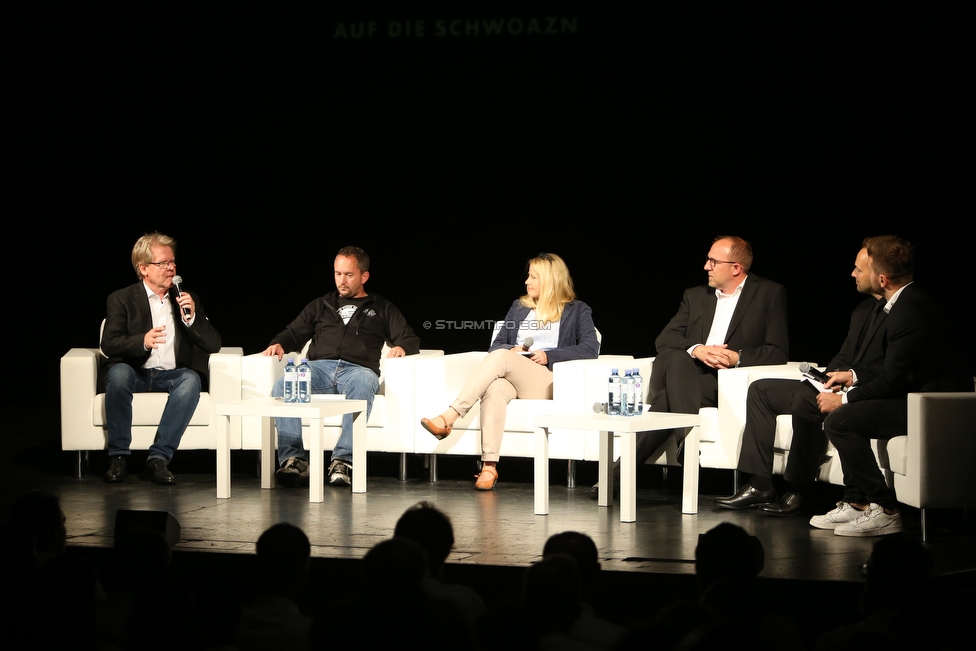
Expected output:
(501, 377)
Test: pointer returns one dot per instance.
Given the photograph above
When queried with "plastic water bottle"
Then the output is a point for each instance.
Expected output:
(638, 392)
(304, 393)
(613, 399)
(291, 379)
(627, 394)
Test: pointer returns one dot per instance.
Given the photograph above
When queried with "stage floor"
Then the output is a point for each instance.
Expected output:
(646, 564)
(496, 528)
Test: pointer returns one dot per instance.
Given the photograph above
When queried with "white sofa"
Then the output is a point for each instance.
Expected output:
(577, 386)
(390, 424)
(83, 425)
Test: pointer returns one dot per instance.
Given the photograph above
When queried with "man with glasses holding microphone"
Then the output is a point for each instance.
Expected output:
(737, 319)
(150, 330)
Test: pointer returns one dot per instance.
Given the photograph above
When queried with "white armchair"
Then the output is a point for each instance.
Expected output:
(577, 386)
(931, 467)
(928, 468)
(722, 427)
(390, 424)
(83, 426)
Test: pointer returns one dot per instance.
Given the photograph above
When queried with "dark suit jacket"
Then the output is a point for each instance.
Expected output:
(128, 319)
(918, 354)
(758, 330)
(870, 354)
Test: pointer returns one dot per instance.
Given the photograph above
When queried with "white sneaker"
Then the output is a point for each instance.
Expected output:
(843, 514)
(872, 522)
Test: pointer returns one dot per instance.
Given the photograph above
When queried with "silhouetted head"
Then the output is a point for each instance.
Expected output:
(394, 567)
(282, 545)
(552, 590)
(727, 552)
(580, 547)
(426, 525)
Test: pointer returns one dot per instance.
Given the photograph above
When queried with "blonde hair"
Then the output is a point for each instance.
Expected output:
(555, 287)
(142, 250)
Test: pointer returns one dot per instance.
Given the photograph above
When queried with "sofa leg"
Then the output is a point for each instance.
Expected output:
(925, 537)
(571, 473)
(403, 467)
(81, 464)
(431, 460)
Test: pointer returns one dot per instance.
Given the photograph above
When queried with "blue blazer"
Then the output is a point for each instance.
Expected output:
(577, 334)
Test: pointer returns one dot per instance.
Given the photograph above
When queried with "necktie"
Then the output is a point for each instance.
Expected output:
(869, 326)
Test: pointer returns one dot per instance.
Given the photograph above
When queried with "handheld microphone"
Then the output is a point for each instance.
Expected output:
(813, 372)
(527, 343)
(177, 281)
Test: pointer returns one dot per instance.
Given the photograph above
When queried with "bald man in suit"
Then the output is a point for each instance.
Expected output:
(737, 319)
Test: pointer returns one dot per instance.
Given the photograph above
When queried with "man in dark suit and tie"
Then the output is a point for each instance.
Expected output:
(919, 339)
(862, 349)
(738, 319)
(150, 331)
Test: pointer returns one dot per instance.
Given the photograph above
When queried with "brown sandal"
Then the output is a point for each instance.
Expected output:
(486, 480)
(438, 432)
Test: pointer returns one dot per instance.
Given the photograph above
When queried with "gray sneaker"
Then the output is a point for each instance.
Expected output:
(843, 514)
(340, 473)
(294, 472)
(872, 522)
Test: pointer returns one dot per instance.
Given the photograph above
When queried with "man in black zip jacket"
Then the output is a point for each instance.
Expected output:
(348, 328)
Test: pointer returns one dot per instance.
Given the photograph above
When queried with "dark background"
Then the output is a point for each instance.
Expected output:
(264, 141)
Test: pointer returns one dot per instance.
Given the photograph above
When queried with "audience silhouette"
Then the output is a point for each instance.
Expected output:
(272, 619)
(431, 529)
(398, 596)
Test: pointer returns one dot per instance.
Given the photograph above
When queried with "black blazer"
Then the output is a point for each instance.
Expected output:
(918, 355)
(870, 354)
(758, 330)
(128, 319)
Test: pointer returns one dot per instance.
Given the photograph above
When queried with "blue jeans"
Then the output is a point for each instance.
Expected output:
(121, 381)
(328, 376)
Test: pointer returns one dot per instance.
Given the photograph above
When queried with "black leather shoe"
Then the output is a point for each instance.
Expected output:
(790, 504)
(746, 498)
(118, 469)
(157, 472)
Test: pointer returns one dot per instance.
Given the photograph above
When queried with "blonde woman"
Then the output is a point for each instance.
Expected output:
(560, 328)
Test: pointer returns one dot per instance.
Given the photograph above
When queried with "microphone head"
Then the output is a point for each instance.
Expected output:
(804, 367)
(528, 342)
(177, 281)
(600, 407)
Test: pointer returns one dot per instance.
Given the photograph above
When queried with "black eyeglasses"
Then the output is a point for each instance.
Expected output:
(712, 262)
(544, 256)
(164, 264)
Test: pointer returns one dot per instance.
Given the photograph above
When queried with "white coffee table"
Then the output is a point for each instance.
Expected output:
(315, 411)
(626, 428)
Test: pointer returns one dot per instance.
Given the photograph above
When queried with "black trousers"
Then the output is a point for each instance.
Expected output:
(851, 428)
(679, 384)
(768, 399)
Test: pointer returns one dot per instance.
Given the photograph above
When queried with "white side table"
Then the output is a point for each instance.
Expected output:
(315, 411)
(625, 427)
